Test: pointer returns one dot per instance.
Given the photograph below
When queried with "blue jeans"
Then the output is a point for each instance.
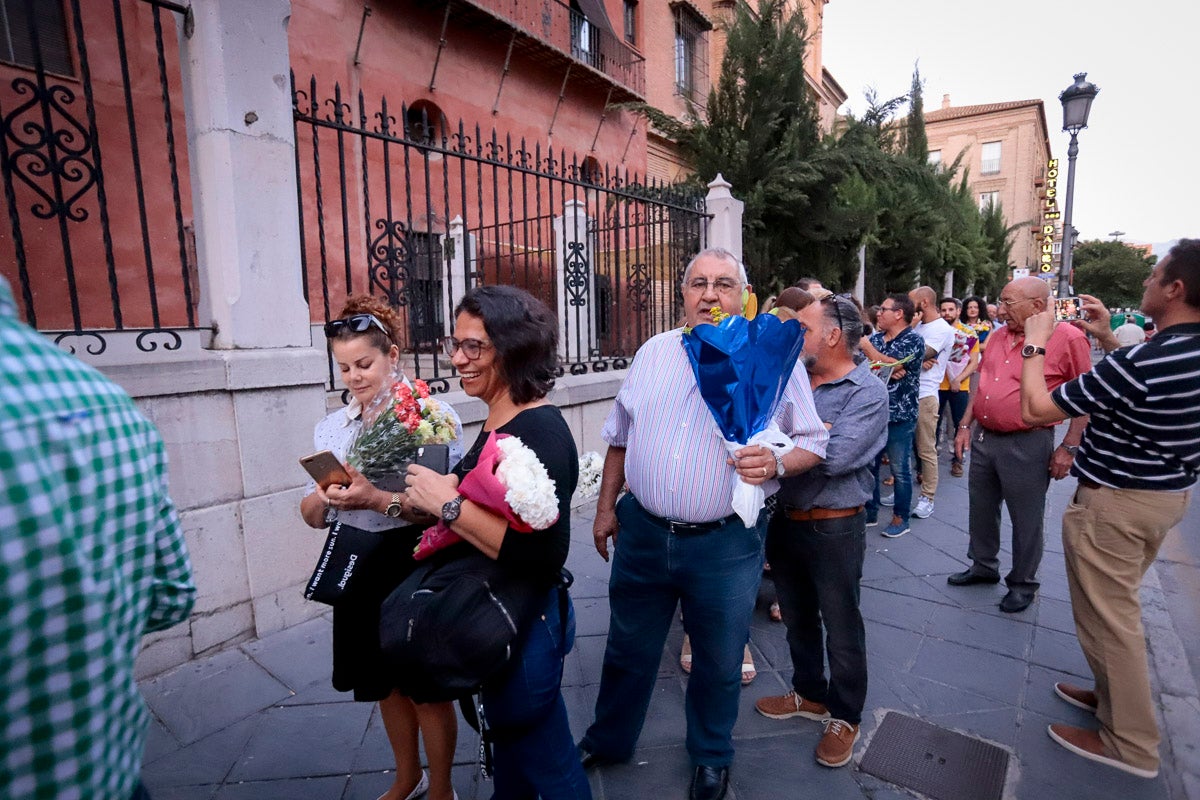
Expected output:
(958, 407)
(536, 756)
(715, 576)
(899, 450)
(817, 567)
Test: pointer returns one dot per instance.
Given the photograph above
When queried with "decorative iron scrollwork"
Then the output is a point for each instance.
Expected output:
(60, 155)
(578, 274)
(95, 349)
(144, 343)
(638, 286)
(389, 259)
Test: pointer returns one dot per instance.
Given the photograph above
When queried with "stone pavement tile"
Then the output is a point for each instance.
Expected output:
(971, 669)
(877, 566)
(887, 603)
(896, 647)
(751, 724)
(321, 691)
(1049, 771)
(591, 616)
(299, 656)
(303, 741)
(1055, 614)
(998, 725)
(185, 792)
(653, 772)
(204, 696)
(581, 707)
(1011, 637)
(159, 742)
(665, 723)
(1060, 652)
(785, 767)
(1041, 699)
(206, 762)
(589, 652)
(286, 789)
(923, 696)
(920, 558)
(1182, 718)
(588, 585)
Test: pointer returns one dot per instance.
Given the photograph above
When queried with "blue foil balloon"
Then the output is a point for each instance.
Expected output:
(742, 367)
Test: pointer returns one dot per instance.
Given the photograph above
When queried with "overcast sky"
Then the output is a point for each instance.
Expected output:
(1138, 168)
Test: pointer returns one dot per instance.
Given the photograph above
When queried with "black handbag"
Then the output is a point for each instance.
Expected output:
(453, 624)
(346, 551)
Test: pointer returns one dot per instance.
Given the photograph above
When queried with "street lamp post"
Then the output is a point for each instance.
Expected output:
(1077, 104)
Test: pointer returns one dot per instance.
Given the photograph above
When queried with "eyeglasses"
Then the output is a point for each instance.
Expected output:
(720, 285)
(472, 348)
(1011, 303)
(356, 323)
(889, 308)
(837, 307)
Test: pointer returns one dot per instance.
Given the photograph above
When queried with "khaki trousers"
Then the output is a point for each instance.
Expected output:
(1110, 538)
(927, 423)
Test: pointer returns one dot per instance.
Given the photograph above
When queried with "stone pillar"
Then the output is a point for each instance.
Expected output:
(576, 300)
(725, 227)
(860, 283)
(237, 97)
(458, 264)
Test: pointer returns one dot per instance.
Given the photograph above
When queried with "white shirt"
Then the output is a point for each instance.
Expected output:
(940, 336)
(1129, 333)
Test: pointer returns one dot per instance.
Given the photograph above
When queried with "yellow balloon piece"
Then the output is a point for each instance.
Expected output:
(749, 304)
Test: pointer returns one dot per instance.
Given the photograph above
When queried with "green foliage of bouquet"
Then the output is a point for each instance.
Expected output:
(406, 419)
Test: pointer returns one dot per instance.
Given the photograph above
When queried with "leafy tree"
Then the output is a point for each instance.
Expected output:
(991, 275)
(1111, 271)
(762, 133)
(916, 143)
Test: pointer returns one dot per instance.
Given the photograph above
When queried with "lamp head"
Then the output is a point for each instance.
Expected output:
(1077, 103)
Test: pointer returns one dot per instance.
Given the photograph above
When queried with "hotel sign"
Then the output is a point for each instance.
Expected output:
(1050, 216)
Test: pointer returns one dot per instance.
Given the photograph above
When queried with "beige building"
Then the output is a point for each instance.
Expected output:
(678, 79)
(1005, 148)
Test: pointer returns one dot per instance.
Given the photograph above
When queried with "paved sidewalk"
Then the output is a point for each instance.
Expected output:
(261, 721)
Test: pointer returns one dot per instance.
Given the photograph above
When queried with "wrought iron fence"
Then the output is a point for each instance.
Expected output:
(94, 179)
(401, 204)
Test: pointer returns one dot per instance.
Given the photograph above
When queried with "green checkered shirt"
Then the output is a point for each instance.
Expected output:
(91, 557)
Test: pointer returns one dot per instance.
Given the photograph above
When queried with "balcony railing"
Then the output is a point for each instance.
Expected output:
(557, 25)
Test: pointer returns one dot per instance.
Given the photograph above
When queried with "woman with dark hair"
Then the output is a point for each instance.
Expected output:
(974, 316)
(504, 348)
(365, 350)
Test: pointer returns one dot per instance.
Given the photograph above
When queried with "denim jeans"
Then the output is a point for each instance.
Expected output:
(714, 575)
(899, 452)
(817, 567)
(957, 401)
(538, 758)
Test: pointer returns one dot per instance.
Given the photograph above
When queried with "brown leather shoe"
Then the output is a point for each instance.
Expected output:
(956, 470)
(1088, 744)
(791, 705)
(1077, 696)
(836, 747)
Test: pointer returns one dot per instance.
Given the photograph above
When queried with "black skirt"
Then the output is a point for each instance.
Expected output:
(358, 663)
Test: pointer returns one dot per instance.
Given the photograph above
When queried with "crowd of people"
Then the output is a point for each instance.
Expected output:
(870, 387)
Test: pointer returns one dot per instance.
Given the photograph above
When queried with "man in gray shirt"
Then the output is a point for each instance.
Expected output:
(816, 540)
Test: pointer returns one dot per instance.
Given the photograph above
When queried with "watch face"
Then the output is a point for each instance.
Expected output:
(452, 509)
(1030, 350)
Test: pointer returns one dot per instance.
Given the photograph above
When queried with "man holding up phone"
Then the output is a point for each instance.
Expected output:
(1013, 462)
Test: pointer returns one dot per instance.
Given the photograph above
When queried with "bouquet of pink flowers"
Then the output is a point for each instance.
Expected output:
(395, 424)
(508, 480)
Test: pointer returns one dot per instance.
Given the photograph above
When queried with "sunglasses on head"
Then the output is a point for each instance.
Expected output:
(355, 323)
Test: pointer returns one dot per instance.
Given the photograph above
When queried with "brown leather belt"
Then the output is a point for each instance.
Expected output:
(1088, 484)
(796, 515)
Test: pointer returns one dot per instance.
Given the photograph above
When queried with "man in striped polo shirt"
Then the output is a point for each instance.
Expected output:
(1139, 458)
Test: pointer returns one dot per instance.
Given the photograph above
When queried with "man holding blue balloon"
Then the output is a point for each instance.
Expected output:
(691, 526)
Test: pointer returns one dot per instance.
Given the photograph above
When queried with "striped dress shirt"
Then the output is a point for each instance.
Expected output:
(675, 459)
(1144, 430)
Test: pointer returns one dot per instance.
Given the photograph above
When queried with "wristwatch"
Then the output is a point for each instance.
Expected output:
(779, 468)
(1031, 350)
(394, 508)
(1071, 449)
(452, 509)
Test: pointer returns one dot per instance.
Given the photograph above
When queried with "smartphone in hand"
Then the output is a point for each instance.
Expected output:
(434, 456)
(1067, 309)
(325, 469)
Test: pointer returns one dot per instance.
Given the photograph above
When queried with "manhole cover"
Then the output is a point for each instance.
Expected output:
(935, 761)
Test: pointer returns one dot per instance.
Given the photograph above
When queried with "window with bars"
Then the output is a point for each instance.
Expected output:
(631, 21)
(988, 200)
(990, 158)
(935, 159)
(23, 22)
(691, 53)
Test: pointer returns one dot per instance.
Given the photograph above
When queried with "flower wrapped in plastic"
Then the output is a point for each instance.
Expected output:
(509, 481)
(400, 419)
(591, 470)
(742, 367)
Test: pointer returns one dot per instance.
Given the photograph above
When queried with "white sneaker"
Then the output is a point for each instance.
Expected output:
(888, 500)
(924, 508)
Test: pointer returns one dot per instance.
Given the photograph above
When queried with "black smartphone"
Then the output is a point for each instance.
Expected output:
(434, 456)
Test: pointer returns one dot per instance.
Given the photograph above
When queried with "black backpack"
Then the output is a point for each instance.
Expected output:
(453, 624)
